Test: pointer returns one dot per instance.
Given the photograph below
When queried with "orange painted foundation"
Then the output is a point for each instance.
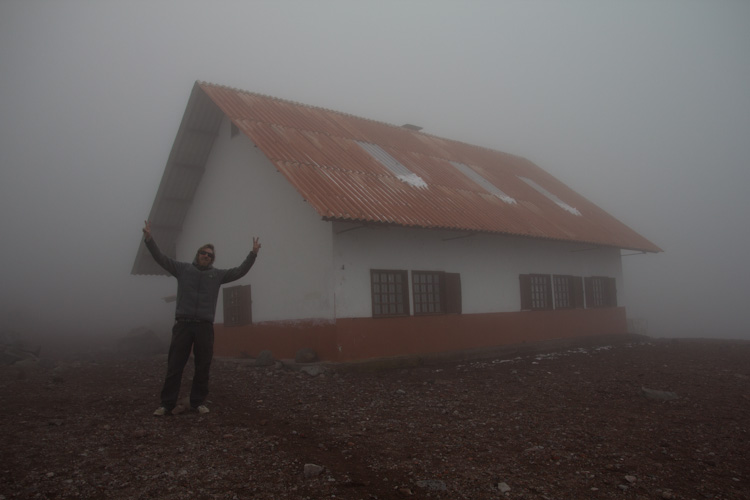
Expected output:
(355, 339)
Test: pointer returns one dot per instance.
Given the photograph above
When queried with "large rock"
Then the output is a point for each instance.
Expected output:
(306, 356)
(11, 354)
(14, 349)
(140, 341)
(265, 358)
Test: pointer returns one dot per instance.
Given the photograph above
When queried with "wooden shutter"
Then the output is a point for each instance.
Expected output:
(577, 291)
(237, 306)
(610, 287)
(453, 293)
(589, 291)
(525, 281)
(548, 292)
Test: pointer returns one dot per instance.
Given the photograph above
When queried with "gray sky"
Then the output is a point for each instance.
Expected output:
(641, 106)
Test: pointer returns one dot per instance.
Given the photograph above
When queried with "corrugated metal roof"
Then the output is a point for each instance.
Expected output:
(343, 166)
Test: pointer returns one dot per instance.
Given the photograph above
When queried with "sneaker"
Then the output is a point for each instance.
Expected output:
(202, 409)
(161, 411)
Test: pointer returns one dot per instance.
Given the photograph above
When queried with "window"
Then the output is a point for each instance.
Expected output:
(550, 196)
(436, 292)
(390, 293)
(536, 292)
(237, 306)
(601, 292)
(484, 183)
(433, 292)
(429, 292)
(393, 165)
(568, 291)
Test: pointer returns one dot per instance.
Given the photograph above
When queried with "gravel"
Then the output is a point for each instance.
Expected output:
(579, 422)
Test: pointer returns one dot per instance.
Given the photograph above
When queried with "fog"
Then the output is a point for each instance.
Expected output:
(643, 107)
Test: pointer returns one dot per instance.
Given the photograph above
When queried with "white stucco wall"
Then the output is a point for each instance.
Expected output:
(489, 265)
(242, 195)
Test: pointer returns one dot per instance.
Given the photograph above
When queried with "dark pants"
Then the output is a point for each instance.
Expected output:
(186, 336)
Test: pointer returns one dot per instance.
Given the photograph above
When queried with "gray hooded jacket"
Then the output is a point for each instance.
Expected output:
(198, 287)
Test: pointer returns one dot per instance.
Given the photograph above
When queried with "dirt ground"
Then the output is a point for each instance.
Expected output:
(570, 423)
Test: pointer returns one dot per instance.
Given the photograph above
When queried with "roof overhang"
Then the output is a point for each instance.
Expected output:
(182, 175)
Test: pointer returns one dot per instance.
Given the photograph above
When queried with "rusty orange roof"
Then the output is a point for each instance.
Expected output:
(359, 170)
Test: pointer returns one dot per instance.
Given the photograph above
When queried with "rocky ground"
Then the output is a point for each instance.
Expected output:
(640, 419)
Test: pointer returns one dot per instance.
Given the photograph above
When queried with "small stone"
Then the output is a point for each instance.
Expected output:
(432, 484)
(658, 395)
(503, 487)
(312, 470)
(630, 479)
(313, 370)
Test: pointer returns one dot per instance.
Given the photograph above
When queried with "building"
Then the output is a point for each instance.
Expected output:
(380, 240)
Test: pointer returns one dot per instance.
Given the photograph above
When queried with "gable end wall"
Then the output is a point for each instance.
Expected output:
(242, 195)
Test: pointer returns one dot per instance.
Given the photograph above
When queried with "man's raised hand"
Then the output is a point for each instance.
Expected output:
(256, 244)
(147, 230)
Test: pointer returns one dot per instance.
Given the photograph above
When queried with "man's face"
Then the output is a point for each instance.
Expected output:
(205, 257)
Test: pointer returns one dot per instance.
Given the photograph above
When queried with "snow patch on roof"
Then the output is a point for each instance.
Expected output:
(413, 180)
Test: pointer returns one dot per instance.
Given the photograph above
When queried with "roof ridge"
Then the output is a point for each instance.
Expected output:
(358, 117)
(298, 103)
